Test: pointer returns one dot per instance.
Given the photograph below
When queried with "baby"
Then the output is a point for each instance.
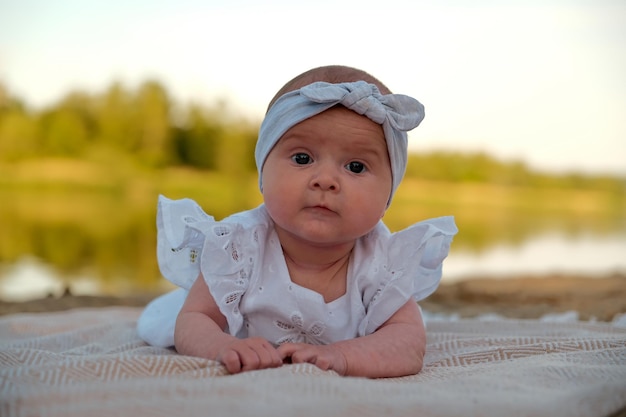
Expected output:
(311, 275)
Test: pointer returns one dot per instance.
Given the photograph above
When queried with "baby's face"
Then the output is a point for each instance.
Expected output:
(328, 179)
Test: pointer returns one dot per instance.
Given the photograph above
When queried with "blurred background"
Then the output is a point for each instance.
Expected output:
(106, 105)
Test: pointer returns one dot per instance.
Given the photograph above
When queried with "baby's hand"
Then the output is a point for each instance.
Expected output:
(325, 357)
(248, 354)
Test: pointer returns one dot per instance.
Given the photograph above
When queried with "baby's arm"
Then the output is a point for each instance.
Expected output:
(395, 349)
(200, 332)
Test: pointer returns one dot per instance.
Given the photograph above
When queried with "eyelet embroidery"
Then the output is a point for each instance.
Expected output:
(296, 332)
(234, 253)
(221, 230)
(232, 299)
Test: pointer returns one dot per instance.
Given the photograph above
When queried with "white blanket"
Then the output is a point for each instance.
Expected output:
(91, 362)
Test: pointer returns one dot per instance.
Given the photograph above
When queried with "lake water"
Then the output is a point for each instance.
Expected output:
(591, 255)
(547, 254)
(104, 242)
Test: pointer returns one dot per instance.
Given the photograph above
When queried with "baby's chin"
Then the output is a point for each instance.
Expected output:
(329, 239)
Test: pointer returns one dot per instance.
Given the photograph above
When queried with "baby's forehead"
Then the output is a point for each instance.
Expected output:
(340, 114)
(345, 126)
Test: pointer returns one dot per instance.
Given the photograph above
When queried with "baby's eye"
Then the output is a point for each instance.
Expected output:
(356, 167)
(301, 159)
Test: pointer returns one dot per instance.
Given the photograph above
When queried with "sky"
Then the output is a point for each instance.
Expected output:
(542, 81)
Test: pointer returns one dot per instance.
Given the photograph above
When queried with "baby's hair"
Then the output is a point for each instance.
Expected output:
(330, 74)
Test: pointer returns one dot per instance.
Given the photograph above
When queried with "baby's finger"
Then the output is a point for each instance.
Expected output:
(249, 357)
(277, 359)
(322, 362)
(304, 354)
(231, 361)
(302, 357)
(268, 355)
(313, 355)
(287, 349)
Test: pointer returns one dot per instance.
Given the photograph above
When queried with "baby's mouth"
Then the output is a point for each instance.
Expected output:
(321, 208)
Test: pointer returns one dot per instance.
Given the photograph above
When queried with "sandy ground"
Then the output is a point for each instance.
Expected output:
(522, 297)
(532, 297)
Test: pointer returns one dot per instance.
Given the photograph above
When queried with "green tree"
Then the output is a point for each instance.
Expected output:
(235, 152)
(18, 130)
(113, 116)
(63, 133)
(196, 142)
(18, 135)
(151, 121)
(67, 128)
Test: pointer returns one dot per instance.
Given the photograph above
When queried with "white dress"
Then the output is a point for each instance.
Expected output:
(243, 265)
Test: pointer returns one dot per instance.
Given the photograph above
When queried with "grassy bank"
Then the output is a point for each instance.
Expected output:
(54, 188)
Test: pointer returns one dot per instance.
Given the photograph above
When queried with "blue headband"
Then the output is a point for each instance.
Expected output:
(396, 113)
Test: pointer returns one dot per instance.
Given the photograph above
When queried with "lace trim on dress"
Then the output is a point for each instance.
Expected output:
(411, 267)
(180, 239)
(190, 242)
(228, 259)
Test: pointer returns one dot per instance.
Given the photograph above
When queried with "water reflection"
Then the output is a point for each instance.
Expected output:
(30, 278)
(104, 243)
(594, 256)
(588, 255)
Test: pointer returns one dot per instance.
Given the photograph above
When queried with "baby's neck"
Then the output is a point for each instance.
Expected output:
(309, 261)
(328, 280)
(320, 269)
(311, 255)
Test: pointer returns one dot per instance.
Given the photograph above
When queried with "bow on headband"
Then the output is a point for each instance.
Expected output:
(396, 113)
(403, 112)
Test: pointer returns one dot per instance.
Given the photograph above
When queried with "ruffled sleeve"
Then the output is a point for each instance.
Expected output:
(404, 265)
(189, 242)
(180, 239)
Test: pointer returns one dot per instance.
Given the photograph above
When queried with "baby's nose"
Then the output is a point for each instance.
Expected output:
(326, 180)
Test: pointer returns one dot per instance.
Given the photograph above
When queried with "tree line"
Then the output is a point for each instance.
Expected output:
(143, 123)
(146, 125)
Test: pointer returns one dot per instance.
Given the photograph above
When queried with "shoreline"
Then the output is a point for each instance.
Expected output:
(532, 297)
(524, 297)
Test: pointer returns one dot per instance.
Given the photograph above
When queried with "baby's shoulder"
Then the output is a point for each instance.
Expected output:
(382, 239)
(422, 245)
(249, 219)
